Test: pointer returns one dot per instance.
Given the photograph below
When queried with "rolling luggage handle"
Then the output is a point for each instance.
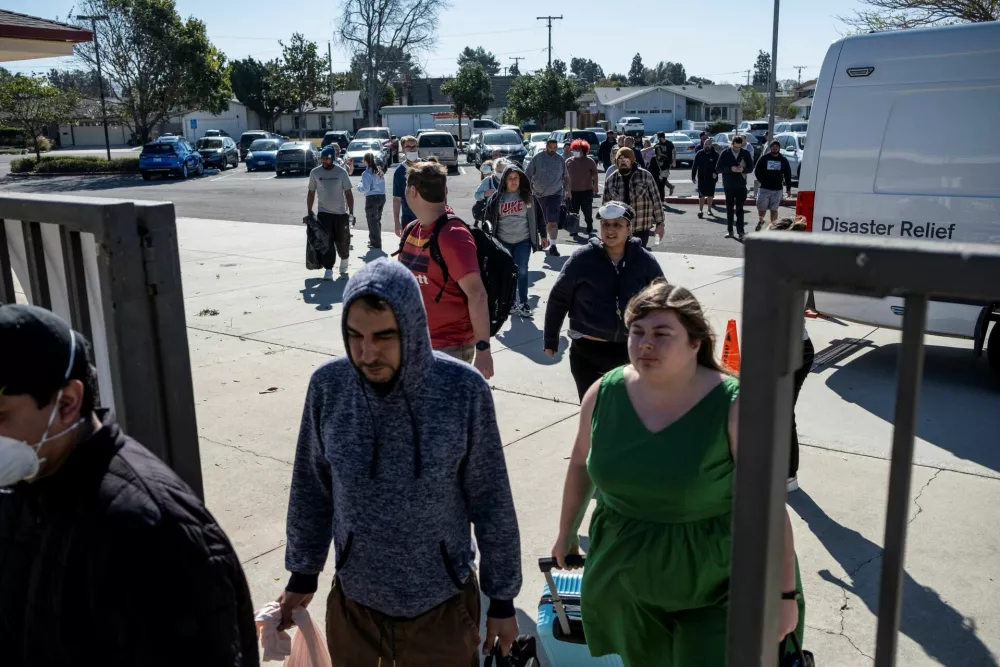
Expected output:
(546, 565)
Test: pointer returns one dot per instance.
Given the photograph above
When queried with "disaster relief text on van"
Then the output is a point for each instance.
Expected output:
(904, 229)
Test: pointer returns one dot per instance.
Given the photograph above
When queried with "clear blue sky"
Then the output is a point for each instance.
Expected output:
(595, 29)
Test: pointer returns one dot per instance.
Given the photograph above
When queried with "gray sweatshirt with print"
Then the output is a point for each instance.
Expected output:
(547, 174)
(397, 478)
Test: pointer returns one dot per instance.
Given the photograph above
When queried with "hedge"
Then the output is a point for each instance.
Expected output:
(715, 127)
(71, 164)
(12, 136)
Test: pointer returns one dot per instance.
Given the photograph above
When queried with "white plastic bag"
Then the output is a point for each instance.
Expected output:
(307, 648)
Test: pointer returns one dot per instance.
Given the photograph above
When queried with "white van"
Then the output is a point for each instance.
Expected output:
(873, 165)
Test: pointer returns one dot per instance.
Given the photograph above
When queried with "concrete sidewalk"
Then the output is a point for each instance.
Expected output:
(259, 323)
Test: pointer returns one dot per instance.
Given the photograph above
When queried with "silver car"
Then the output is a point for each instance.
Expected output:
(357, 149)
(439, 145)
(684, 147)
(793, 144)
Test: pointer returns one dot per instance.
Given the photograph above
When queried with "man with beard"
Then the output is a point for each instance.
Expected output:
(772, 168)
(636, 187)
(399, 454)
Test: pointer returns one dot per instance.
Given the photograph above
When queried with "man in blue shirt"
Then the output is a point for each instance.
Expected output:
(401, 213)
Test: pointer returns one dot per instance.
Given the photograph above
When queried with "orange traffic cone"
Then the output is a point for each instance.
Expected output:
(731, 349)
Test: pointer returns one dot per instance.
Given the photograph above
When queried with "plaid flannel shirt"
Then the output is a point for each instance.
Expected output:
(644, 195)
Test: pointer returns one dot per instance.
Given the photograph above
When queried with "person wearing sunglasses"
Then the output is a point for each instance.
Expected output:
(593, 288)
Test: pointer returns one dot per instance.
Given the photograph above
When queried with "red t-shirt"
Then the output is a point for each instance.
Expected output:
(448, 319)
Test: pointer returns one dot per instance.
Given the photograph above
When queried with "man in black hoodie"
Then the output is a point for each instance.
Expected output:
(108, 557)
(734, 164)
(772, 168)
(607, 148)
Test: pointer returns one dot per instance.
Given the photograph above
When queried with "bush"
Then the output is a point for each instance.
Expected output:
(11, 136)
(69, 164)
(720, 126)
(42, 143)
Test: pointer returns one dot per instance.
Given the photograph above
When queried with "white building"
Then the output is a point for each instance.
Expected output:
(667, 107)
(347, 106)
(237, 120)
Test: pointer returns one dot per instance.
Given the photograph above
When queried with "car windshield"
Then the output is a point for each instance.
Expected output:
(499, 138)
(264, 145)
(436, 141)
(678, 137)
(589, 137)
(799, 127)
(539, 137)
(372, 133)
(363, 146)
(160, 147)
(248, 139)
(209, 143)
(294, 146)
(758, 126)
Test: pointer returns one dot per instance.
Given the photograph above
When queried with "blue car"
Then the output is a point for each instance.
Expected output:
(169, 156)
(263, 154)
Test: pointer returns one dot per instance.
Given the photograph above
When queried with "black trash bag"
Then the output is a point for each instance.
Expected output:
(523, 653)
(317, 242)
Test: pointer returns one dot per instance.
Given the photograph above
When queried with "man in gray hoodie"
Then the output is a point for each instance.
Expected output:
(549, 183)
(398, 453)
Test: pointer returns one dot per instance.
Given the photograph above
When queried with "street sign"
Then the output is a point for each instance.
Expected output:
(571, 119)
(194, 124)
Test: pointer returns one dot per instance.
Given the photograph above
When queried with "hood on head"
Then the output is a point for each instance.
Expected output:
(392, 282)
(524, 188)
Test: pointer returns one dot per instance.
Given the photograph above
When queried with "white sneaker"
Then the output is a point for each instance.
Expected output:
(526, 311)
(792, 484)
(343, 267)
(328, 274)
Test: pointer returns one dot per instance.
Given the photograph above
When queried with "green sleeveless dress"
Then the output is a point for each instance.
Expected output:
(656, 585)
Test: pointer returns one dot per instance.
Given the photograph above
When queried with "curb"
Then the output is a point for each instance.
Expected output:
(77, 173)
(748, 202)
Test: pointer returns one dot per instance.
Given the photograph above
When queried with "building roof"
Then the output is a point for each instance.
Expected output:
(720, 94)
(22, 26)
(803, 103)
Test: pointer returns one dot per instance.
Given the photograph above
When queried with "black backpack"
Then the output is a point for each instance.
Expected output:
(496, 266)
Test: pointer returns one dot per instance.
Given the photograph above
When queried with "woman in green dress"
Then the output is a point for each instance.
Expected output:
(657, 438)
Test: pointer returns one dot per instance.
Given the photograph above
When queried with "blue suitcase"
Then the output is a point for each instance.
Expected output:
(560, 628)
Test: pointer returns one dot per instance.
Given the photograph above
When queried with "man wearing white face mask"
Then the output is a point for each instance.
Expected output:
(108, 557)
(401, 213)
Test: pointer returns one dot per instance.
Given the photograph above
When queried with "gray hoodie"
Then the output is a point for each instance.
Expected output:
(547, 174)
(396, 477)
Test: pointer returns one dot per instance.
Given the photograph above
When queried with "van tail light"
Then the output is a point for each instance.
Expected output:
(804, 203)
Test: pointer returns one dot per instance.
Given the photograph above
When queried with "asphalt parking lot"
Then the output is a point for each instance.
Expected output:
(257, 196)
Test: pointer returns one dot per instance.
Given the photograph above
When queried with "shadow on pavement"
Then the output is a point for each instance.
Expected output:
(77, 184)
(958, 397)
(946, 635)
(323, 293)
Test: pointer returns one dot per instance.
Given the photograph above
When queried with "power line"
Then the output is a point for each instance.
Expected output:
(800, 68)
(550, 19)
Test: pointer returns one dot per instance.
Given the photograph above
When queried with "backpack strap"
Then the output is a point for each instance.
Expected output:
(435, 249)
(404, 235)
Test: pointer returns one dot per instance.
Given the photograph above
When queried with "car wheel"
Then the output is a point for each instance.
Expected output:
(201, 168)
(249, 168)
(145, 175)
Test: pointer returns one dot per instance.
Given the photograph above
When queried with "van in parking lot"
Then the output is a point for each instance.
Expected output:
(871, 168)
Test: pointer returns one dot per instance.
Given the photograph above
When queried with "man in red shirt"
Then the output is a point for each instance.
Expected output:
(458, 315)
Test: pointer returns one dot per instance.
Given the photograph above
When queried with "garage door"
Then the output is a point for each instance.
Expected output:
(91, 136)
(658, 122)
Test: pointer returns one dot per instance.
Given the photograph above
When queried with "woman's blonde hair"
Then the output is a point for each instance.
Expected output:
(660, 295)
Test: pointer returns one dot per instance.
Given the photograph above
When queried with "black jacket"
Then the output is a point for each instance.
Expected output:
(113, 561)
(587, 286)
(536, 226)
(771, 170)
(604, 152)
(730, 180)
(705, 165)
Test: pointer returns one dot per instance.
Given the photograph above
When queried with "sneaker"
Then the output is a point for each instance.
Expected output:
(328, 274)
(742, 236)
(343, 267)
(759, 225)
(729, 235)
(701, 215)
(792, 484)
(811, 314)
(553, 251)
(671, 190)
(525, 311)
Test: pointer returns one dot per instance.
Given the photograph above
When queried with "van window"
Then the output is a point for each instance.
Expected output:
(957, 164)
(436, 141)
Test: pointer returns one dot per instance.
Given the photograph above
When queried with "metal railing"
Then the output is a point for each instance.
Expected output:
(112, 269)
(778, 269)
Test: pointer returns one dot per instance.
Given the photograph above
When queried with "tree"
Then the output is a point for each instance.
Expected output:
(304, 75)
(263, 88)
(787, 85)
(559, 67)
(637, 73)
(783, 107)
(32, 103)
(752, 102)
(697, 80)
(666, 73)
(470, 92)
(381, 31)
(585, 69)
(900, 14)
(614, 76)
(402, 69)
(762, 69)
(155, 64)
(481, 56)
(514, 70)
(542, 97)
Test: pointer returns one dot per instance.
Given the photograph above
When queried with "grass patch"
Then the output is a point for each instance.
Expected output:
(74, 164)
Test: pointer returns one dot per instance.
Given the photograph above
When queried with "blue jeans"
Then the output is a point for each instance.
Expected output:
(521, 252)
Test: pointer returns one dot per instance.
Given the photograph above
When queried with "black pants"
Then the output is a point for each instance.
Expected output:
(643, 236)
(583, 200)
(735, 198)
(808, 354)
(338, 228)
(589, 360)
(373, 213)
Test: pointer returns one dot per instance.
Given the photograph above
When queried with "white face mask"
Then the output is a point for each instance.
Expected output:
(19, 461)
(576, 153)
(412, 156)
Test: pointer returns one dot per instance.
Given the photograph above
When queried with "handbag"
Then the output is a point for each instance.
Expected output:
(798, 658)
(523, 653)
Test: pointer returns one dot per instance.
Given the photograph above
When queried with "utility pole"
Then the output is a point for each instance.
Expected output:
(773, 87)
(748, 76)
(333, 86)
(799, 68)
(517, 61)
(100, 78)
(550, 19)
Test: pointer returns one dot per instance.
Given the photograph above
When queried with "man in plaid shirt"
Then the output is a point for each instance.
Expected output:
(636, 187)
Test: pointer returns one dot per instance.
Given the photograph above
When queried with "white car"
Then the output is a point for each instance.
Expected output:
(792, 146)
(867, 175)
(791, 126)
(630, 125)
(357, 149)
